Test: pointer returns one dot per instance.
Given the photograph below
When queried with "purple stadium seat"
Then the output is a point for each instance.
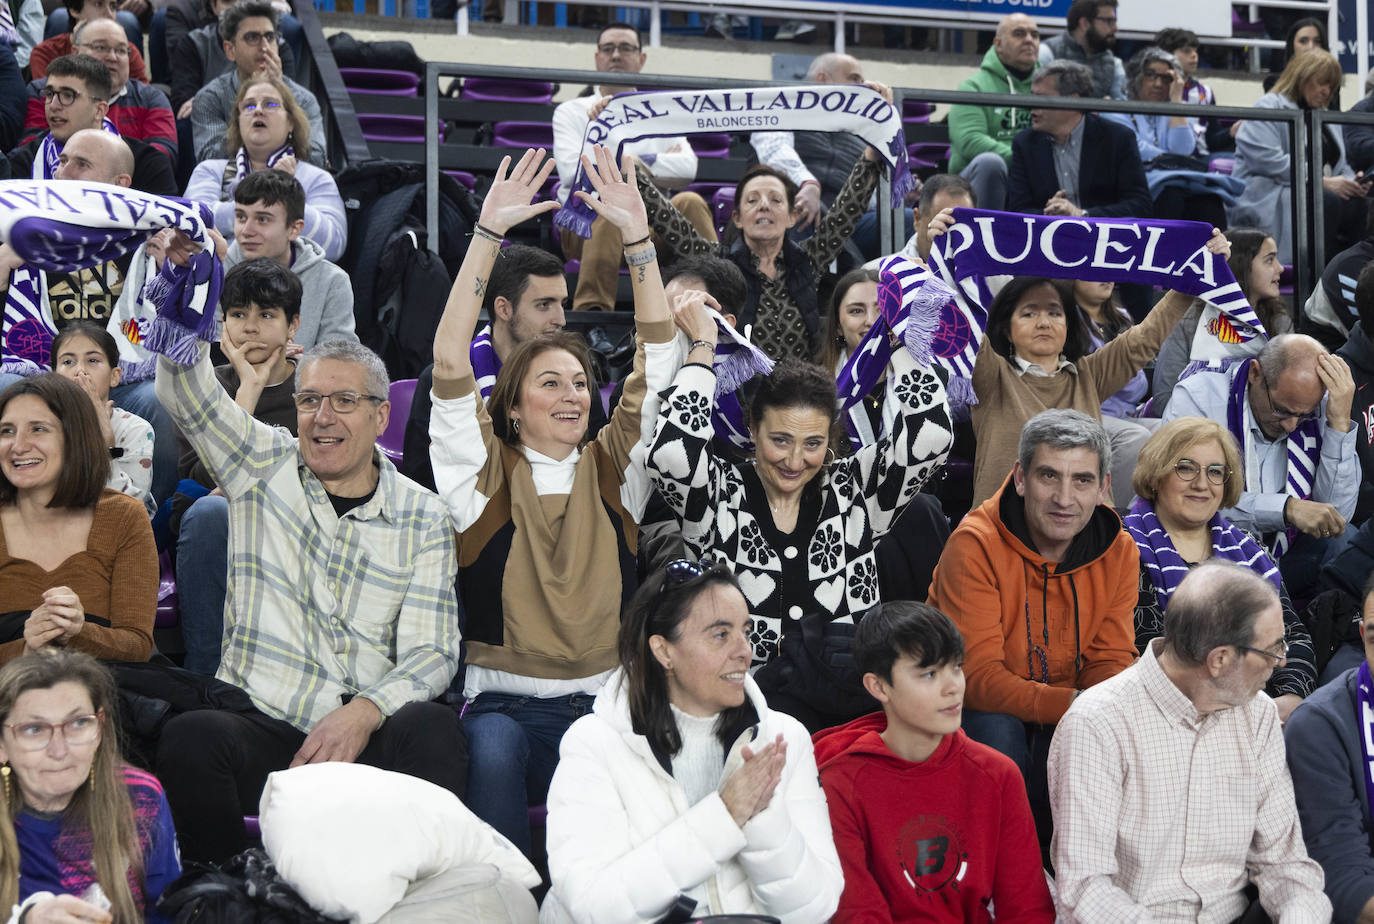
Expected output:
(462, 176)
(915, 110)
(522, 135)
(1286, 280)
(392, 440)
(722, 207)
(711, 145)
(707, 189)
(606, 391)
(378, 126)
(380, 81)
(927, 155)
(1221, 164)
(499, 90)
(168, 611)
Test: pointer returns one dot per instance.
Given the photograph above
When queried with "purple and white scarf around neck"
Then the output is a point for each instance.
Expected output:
(243, 166)
(1304, 450)
(851, 108)
(1169, 254)
(66, 226)
(1167, 568)
(46, 160)
(8, 32)
(1364, 721)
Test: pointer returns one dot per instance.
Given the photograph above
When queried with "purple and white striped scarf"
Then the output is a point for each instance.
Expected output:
(8, 32)
(1167, 568)
(633, 116)
(913, 305)
(1169, 254)
(46, 160)
(243, 166)
(70, 225)
(486, 365)
(1304, 448)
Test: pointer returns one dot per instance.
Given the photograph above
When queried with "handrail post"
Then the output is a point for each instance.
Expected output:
(432, 155)
(1299, 167)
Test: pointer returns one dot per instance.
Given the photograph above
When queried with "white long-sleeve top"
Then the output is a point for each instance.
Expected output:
(672, 161)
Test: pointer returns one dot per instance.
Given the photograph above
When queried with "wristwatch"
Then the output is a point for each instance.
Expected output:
(116, 452)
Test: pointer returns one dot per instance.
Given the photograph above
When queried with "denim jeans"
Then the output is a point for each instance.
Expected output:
(865, 235)
(987, 174)
(202, 577)
(139, 398)
(512, 752)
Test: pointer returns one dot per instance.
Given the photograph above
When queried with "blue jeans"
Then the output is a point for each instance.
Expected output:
(987, 174)
(202, 578)
(139, 398)
(512, 752)
(865, 235)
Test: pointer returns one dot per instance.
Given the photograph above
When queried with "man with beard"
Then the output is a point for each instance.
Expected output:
(1089, 40)
(1171, 795)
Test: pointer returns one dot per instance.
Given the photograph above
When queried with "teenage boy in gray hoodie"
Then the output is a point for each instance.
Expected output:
(269, 213)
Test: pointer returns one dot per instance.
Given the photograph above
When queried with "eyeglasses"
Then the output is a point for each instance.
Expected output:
(1277, 658)
(1279, 412)
(65, 95)
(267, 105)
(257, 38)
(119, 51)
(625, 48)
(343, 402)
(34, 736)
(1188, 470)
(1158, 76)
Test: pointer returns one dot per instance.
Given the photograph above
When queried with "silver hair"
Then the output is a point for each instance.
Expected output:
(822, 64)
(1283, 351)
(1215, 606)
(1070, 78)
(1135, 68)
(1064, 429)
(375, 378)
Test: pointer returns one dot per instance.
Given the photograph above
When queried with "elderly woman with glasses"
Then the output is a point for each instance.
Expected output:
(1185, 474)
(83, 836)
(682, 791)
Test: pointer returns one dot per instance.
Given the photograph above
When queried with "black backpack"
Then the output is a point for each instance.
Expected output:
(399, 285)
(245, 889)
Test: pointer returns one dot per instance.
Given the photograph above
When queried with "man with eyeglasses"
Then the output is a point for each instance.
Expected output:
(980, 136)
(341, 620)
(670, 161)
(1089, 40)
(1289, 411)
(1330, 743)
(137, 109)
(1171, 797)
(249, 32)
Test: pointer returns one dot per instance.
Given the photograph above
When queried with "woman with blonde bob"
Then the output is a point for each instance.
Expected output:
(267, 130)
(1187, 471)
(1263, 161)
(84, 837)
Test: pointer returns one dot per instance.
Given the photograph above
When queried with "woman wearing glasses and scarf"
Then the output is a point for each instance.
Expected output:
(84, 837)
(1185, 474)
(683, 791)
(547, 521)
(269, 128)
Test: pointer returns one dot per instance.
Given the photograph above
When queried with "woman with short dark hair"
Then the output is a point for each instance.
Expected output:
(78, 566)
(682, 788)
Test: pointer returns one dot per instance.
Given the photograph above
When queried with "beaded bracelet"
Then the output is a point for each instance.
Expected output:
(643, 240)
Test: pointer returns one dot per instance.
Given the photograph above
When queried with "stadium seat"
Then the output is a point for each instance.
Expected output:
(379, 81)
(379, 126)
(392, 440)
(916, 110)
(1221, 164)
(722, 207)
(927, 155)
(498, 90)
(462, 176)
(522, 135)
(168, 609)
(713, 144)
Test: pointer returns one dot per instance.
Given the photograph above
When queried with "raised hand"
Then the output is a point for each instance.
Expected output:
(1340, 390)
(511, 197)
(692, 318)
(619, 202)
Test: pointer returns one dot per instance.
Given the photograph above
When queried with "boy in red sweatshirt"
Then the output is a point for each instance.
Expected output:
(930, 825)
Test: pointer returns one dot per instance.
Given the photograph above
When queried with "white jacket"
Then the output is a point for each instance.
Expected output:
(623, 843)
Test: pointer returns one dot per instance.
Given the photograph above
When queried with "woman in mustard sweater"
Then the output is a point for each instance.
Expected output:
(78, 565)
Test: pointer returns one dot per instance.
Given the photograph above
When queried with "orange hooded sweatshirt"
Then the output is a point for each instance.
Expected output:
(1005, 597)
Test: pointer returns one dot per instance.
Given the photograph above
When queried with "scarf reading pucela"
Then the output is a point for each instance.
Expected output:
(852, 108)
(70, 225)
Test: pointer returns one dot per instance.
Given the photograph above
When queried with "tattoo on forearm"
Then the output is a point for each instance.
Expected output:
(479, 287)
(641, 272)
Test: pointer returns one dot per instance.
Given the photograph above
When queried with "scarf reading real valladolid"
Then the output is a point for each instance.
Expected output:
(70, 225)
(852, 108)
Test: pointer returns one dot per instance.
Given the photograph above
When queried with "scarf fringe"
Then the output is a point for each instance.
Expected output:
(179, 344)
(137, 371)
(22, 367)
(738, 367)
(576, 216)
(960, 390)
(902, 182)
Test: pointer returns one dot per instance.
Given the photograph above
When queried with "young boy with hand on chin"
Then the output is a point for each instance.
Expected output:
(930, 825)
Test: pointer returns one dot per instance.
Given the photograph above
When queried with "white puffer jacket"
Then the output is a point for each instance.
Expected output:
(623, 843)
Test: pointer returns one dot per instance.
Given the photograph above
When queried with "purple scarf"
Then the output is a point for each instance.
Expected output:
(851, 108)
(486, 365)
(242, 166)
(1364, 721)
(1167, 568)
(1304, 448)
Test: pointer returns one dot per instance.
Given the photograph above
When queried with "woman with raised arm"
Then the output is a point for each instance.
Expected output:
(547, 521)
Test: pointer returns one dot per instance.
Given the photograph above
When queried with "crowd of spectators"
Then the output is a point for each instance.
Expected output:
(1017, 643)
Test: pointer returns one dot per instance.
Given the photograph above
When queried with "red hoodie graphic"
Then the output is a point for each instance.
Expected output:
(936, 841)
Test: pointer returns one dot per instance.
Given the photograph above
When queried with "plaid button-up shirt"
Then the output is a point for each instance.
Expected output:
(320, 608)
(1163, 814)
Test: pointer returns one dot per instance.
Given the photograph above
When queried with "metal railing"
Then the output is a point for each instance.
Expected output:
(1316, 121)
(889, 222)
(344, 142)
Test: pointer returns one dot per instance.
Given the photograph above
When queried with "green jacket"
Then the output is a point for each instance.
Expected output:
(975, 129)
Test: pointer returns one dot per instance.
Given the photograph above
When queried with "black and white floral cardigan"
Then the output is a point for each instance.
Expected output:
(826, 564)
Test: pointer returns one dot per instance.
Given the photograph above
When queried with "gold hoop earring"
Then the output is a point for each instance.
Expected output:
(92, 776)
(832, 455)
